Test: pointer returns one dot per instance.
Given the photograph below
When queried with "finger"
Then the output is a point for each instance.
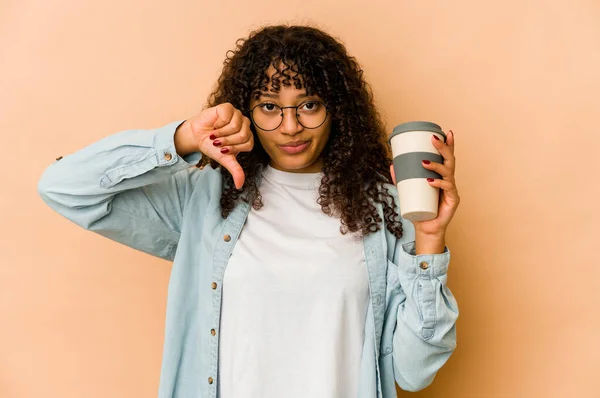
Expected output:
(448, 186)
(450, 141)
(235, 125)
(445, 151)
(243, 135)
(245, 147)
(231, 164)
(393, 173)
(224, 114)
(445, 170)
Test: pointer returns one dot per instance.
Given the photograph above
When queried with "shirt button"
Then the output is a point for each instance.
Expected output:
(214, 285)
(424, 265)
(168, 156)
(227, 238)
(210, 380)
(213, 332)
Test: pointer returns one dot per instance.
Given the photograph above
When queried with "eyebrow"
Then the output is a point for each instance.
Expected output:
(276, 96)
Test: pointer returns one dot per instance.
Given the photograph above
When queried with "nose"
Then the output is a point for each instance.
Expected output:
(290, 124)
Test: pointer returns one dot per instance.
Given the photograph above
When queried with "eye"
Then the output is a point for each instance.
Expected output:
(310, 106)
(268, 107)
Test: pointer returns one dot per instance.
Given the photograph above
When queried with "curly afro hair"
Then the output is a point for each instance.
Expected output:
(356, 158)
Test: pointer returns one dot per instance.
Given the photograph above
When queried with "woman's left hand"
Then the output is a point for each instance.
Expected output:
(449, 198)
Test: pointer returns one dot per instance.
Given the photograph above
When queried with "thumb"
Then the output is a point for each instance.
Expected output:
(237, 172)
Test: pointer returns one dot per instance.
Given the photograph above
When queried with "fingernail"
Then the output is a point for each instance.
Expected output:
(224, 150)
(212, 136)
(216, 142)
(451, 132)
(430, 179)
(426, 162)
(436, 137)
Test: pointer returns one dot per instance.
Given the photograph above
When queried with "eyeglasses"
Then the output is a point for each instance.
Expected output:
(268, 116)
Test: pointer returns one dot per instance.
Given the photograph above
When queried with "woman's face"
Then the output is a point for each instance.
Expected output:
(291, 146)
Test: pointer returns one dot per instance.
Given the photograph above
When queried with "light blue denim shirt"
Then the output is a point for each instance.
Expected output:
(133, 188)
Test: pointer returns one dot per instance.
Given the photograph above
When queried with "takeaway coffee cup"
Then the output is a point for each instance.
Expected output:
(411, 144)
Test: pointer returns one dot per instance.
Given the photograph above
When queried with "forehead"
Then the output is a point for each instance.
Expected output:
(282, 81)
(284, 92)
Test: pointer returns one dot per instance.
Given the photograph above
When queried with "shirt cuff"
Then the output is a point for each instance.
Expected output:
(424, 265)
(164, 143)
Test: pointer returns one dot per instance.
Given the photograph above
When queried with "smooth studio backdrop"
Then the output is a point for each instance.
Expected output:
(517, 81)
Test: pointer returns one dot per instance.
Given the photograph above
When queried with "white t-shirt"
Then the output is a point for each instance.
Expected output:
(295, 296)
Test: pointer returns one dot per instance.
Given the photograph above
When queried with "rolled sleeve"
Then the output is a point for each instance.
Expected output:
(130, 186)
(425, 333)
(423, 265)
(164, 145)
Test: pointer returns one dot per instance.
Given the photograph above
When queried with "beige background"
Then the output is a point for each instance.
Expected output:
(518, 81)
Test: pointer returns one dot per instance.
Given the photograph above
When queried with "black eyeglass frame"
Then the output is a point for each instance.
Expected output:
(297, 115)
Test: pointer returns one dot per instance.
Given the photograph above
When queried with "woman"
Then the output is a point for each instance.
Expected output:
(293, 274)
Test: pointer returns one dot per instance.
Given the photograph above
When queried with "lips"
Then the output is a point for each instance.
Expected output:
(294, 143)
(294, 147)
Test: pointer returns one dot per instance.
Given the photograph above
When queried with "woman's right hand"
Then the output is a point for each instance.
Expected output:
(220, 132)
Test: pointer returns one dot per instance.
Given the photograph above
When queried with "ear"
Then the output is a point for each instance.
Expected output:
(393, 173)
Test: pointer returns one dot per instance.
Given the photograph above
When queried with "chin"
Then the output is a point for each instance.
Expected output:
(293, 164)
